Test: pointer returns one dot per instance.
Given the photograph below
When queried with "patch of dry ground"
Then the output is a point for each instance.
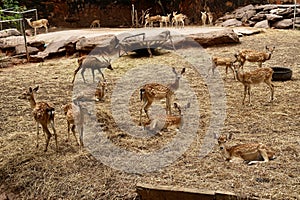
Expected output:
(29, 173)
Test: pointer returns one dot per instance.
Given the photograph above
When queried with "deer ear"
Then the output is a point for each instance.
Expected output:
(175, 105)
(35, 89)
(183, 70)
(30, 89)
(229, 136)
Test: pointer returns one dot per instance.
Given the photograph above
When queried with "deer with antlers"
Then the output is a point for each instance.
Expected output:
(251, 153)
(95, 23)
(93, 63)
(43, 115)
(154, 91)
(253, 77)
(222, 61)
(38, 24)
(254, 56)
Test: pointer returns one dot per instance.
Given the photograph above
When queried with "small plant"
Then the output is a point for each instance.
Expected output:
(11, 5)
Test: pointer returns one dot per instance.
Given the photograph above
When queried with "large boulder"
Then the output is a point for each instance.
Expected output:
(282, 24)
(273, 17)
(231, 22)
(9, 32)
(262, 24)
(226, 36)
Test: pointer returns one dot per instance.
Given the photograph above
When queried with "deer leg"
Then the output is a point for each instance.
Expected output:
(54, 133)
(232, 71)
(68, 132)
(271, 86)
(93, 73)
(82, 73)
(168, 105)
(263, 154)
(101, 73)
(145, 106)
(74, 134)
(48, 134)
(37, 134)
(245, 93)
(249, 94)
(81, 136)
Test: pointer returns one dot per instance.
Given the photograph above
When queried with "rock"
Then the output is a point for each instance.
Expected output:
(266, 7)
(240, 12)
(11, 42)
(40, 44)
(20, 49)
(248, 14)
(231, 22)
(259, 16)
(246, 32)
(262, 24)
(53, 48)
(273, 17)
(9, 32)
(216, 37)
(297, 20)
(282, 24)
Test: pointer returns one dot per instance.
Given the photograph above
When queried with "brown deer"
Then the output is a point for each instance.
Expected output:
(251, 153)
(43, 114)
(222, 61)
(154, 91)
(165, 19)
(253, 77)
(75, 118)
(95, 23)
(169, 121)
(254, 56)
(93, 63)
(101, 90)
(210, 17)
(178, 18)
(150, 19)
(38, 24)
(203, 18)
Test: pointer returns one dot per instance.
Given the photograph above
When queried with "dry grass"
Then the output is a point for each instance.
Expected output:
(29, 173)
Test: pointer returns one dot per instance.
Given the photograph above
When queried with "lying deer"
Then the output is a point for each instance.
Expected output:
(43, 114)
(222, 61)
(169, 121)
(38, 24)
(95, 23)
(154, 91)
(75, 118)
(101, 90)
(151, 19)
(251, 153)
(253, 77)
(93, 63)
(254, 56)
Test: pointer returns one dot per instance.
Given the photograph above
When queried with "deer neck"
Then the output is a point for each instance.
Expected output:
(225, 152)
(239, 76)
(175, 85)
(268, 57)
(29, 22)
(32, 102)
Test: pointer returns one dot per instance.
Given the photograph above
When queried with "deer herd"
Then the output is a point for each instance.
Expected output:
(74, 112)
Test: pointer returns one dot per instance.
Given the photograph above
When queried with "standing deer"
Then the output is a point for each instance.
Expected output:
(165, 19)
(38, 24)
(203, 18)
(254, 56)
(178, 18)
(252, 153)
(101, 90)
(93, 63)
(222, 61)
(154, 91)
(253, 77)
(75, 118)
(150, 19)
(95, 23)
(43, 114)
(210, 18)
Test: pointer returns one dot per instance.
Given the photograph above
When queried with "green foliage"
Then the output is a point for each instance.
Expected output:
(12, 5)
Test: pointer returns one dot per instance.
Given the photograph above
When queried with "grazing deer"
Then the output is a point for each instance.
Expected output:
(154, 91)
(222, 61)
(101, 90)
(95, 23)
(252, 153)
(178, 18)
(93, 63)
(75, 118)
(165, 19)
(169, 120)
(38, 24)
(210, 18)
(253, 77)
(203, 18)
(43, 114)
(150, 19)
(254, 56)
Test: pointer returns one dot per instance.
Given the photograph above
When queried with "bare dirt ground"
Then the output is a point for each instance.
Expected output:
(26, 172)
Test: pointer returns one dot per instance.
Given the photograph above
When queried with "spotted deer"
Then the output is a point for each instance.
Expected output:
(38, 24)
(168, 121)
(75, 118)
(253, 77)
(178, 18)
(95, 23)
(254, 56)
(151, 19)
(251, 153)
(165, 19)
(222, 61)
(43, 115)
(93, 63)
(154, 91)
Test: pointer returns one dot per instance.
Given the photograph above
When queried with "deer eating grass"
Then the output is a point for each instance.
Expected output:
(75, 119)
(38, 24)
(254, 56)
(43, 114)
(251, 153)
(222, 61)
(95, 23)
(253, 77)
(93, 63)
(154, 91)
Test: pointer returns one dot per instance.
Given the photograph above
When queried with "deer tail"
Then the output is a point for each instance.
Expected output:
(51, 112)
